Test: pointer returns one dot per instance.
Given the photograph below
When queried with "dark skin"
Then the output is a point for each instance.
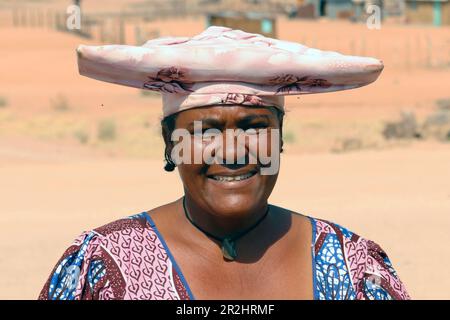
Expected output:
(274, 258)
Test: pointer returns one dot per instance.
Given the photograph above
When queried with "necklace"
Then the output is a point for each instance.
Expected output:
(228, 244)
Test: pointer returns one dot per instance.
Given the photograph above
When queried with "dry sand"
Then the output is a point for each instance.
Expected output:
(52, 187)
(399, 198)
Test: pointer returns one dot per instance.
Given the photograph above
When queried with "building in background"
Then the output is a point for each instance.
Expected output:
(330, 8)
(250, 22)
(434, 12)
(355, 10)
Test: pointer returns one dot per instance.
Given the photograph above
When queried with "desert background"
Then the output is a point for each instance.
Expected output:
(76, 153)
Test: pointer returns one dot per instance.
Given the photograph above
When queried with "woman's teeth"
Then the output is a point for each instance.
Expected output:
(234, 178)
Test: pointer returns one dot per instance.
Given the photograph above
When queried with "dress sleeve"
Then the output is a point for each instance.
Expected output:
(380, 281)
(79, 273)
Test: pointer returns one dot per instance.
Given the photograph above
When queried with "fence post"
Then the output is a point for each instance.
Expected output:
(102, 31)
(408, 55)
(137, 35)
(352, 47)
(121, 30)
(429, 48)
(32, 15)
(23, 17)
(16, 17)
(49, 19)
(40, 18)
(363, 46)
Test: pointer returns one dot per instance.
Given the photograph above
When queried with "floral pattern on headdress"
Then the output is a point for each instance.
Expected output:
(168, 80)
(290, 83)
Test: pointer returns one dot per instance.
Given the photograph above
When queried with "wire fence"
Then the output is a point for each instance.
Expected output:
(133, 26)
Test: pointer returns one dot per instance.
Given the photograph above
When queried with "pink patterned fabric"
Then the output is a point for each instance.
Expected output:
(350, 267)
(225, 66)
(136, 265)
(128, 259)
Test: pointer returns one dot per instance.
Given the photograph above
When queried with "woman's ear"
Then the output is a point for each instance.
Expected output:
(281, 117)
(281, 142)
(167, 133)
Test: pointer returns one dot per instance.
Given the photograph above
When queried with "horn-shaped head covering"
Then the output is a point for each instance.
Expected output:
(222, 66)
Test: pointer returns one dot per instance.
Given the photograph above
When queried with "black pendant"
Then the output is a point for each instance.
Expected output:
(229, 249)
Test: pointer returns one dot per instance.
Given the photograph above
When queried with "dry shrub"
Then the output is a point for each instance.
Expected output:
(437, 124)
(405, 128)
(3, 102)
(347, 144)
(106, 130)
(60, 103)
(82, 136)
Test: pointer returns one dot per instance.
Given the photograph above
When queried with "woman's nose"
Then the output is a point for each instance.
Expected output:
(233, 152)
(234, 166)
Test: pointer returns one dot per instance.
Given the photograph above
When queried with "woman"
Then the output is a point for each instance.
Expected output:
(223, 114)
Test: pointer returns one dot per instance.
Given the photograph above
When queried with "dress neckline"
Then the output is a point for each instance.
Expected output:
(152, 223)
(171, 257)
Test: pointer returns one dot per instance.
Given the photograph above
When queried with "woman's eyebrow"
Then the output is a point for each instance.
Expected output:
(209, 122)
(253, 117)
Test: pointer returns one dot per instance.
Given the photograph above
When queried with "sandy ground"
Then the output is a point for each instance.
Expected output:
(52, 186)
(399, 198)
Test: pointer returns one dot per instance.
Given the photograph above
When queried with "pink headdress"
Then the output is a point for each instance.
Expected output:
(222, 66)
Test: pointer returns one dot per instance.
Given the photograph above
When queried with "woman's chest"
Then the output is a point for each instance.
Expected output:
(280, 273)
(275, 282)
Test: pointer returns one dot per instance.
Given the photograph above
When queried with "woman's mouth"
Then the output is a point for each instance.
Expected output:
(234, 177)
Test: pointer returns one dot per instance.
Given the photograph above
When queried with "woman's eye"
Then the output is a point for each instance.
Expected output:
(198, 133)
(205, 133)
(255, 128)
(208, 134)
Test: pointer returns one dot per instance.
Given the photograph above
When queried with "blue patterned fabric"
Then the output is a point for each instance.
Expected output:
(348, 267)
(333, 278)
(345, 266)
(64, 280)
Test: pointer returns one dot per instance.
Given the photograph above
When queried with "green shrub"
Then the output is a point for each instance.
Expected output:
(289, 137)
(106, 130)
(443, 104)
(82, 136)
(60, 103)
(347, 144)
(405, 128)
(3, 102)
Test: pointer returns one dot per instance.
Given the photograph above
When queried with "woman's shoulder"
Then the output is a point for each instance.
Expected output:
(326, 232)
(322, 228)
(362, 266)
(118, 231)
(124, 226)
(112, 262)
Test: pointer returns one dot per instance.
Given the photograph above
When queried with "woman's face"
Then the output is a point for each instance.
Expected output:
(236, 164)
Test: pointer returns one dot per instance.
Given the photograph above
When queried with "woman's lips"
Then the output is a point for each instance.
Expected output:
(233, 179)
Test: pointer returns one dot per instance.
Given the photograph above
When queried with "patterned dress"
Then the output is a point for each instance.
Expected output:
(129, 259)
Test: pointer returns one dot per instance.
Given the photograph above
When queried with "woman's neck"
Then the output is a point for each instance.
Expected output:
(223, 225)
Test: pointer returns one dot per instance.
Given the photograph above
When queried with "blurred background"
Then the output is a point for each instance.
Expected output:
(76, 153)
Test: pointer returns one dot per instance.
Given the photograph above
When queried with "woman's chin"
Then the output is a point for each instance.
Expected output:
(233, 207)
(222, 184)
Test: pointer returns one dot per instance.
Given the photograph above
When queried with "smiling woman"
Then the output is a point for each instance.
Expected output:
(223, 115)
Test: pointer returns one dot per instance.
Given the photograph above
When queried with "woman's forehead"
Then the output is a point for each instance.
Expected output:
(226, 113)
